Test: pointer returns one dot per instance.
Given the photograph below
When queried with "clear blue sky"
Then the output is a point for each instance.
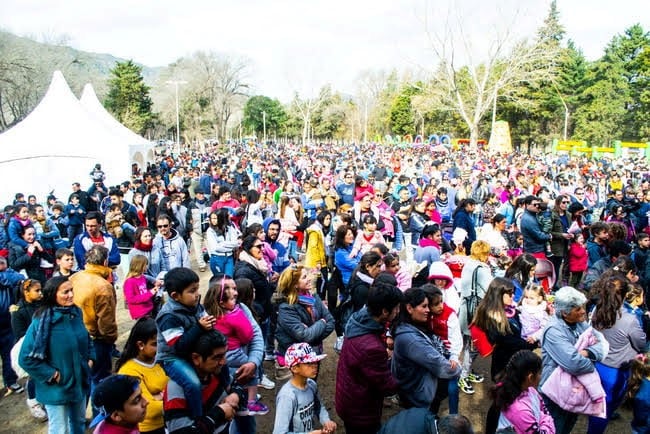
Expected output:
(299, 45)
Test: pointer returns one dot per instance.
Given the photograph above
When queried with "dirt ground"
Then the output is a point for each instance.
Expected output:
(15, 417)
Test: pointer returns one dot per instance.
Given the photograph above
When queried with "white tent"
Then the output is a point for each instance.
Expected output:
(141, 150)
(58, 143)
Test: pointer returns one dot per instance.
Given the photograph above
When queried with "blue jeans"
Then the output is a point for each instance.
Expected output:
(69, 418)
(452, 390)
(614, 381)
(73, 231)
(102, 367)
(222, 264)
(6, 343)
(185, 376)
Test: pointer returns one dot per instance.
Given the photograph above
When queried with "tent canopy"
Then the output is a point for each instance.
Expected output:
(140, 149)
(58, 143)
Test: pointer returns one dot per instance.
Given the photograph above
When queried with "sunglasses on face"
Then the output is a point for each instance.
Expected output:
(162, 226)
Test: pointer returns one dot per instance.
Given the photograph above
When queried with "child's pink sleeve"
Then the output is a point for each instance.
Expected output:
(132, 292)
(269, 252)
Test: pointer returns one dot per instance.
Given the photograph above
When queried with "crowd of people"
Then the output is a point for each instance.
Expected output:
(417, 262)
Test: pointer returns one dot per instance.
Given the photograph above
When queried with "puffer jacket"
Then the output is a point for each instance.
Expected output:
(296, 324)
(263, 288)
(363, 376)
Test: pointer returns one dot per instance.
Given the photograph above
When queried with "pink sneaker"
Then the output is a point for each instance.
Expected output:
(256, 408)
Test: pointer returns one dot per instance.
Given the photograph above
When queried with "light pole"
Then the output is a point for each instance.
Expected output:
(178, 122)
(264, 124)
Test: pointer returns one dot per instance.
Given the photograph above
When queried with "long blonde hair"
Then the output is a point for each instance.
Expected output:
(137, 266)
(288, 282)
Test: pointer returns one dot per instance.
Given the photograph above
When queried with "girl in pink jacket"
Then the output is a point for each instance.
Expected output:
(515, 396)
(139, 299)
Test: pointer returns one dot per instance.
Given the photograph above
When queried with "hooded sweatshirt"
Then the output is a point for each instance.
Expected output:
(281, 260)
(174, 251)
(417, 365)
(440, 270)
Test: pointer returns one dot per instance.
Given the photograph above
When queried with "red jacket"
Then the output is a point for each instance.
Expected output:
(363, 375)
(578, 258)
(438, 323)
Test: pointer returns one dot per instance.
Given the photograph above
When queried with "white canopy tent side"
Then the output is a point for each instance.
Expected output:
(56, 144)
(141, 150)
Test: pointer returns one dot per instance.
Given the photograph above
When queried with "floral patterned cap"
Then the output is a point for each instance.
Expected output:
(301, 353)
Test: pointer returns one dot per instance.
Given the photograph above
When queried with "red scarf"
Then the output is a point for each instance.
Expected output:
(143, 247)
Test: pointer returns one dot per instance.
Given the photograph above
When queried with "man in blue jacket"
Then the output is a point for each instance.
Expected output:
(534, 238)
(92, 236)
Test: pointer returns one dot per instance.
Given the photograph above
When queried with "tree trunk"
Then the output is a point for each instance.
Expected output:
(473, 136)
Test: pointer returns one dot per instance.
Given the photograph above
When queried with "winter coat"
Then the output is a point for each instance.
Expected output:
(346, 264)
(534, 238)
(596, 252)
(263, 288)
(559, 245)
(14, 229)
(558, 349)
(363, 376)
(581, 394)
(95, 296)
(578, 258)
(295, 324)
(9, 287)
(595, 271)
(69, 350)
(358, 289)
(47, 238)
(20, 259)
(417, 365)
(178, 329)
(463, 220)
(21, 317)
(315, 247)
(528, 414)
(198, 212)
(411, 421)
(83, 243)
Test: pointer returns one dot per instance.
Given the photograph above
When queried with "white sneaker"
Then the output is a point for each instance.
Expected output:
(266, 383)
(37, 410)
(338, 344)
(269, 356)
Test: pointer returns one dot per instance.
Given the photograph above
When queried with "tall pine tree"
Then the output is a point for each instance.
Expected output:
(128, 97)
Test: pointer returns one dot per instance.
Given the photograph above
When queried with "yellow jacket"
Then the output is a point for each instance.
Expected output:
(315, 252)
(95, 297)
(152, 382)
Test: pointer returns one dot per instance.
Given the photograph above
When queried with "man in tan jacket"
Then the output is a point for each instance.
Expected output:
(95, 296)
